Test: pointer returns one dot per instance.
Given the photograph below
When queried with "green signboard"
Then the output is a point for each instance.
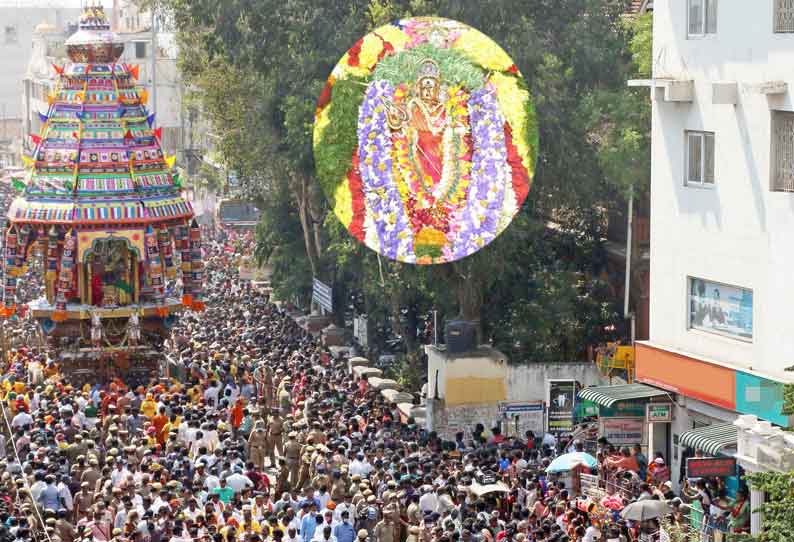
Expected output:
(624, 409)
(659, 412)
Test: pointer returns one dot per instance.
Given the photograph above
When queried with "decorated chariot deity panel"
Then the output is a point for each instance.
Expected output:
(425, 140)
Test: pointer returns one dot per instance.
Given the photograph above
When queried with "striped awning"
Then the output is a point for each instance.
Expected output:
(712, 439)
(609, 395)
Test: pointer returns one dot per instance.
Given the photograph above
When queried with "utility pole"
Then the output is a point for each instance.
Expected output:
(629, 247)
(153, 105)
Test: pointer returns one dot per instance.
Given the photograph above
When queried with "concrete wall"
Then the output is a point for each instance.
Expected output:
(737, 232)
(528, 382)
(471, 385)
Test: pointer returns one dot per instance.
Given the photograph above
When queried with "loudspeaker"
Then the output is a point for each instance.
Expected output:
(460, 336)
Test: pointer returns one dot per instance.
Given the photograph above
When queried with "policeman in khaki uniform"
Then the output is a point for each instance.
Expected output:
(292, 456)
(306, 463)
(317, 434)
(257, 445)
(338, 486)
(275, 442)
(284, 395)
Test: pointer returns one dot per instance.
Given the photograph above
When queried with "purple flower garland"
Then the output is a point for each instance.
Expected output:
(384, 206)
(477, 224)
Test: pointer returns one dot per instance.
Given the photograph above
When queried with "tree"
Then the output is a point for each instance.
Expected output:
(257, 67)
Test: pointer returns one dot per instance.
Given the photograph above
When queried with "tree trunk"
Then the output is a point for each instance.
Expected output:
(470, 296)
(301, 194)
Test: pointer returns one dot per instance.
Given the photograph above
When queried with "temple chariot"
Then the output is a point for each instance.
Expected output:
(102, 215)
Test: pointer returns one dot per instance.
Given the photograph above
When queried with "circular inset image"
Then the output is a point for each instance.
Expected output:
(425, 140)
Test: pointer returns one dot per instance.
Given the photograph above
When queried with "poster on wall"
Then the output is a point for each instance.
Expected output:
(562, 403)
(518, 417)
(621, 431)
(720, 308)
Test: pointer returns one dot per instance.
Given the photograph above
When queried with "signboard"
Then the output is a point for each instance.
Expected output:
(322, 295)
(721, 308)
(710, 467)
(621, 431)
(659, 412)
(561, 401)
(622, 409)
(518, 417)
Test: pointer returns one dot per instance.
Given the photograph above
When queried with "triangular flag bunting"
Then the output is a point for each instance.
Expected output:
(28, 161)
(143, 95)
(158, 133)
(170, 161)
(68, 185)
(150, 119)
(128, 135)
(135, 71)
(58, 69)
(17, 183)
(50, 99)
(43, 117)
(35, 139)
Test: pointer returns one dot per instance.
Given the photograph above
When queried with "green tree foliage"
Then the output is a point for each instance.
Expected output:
(778, 508)
(257, 66)
(641, 43)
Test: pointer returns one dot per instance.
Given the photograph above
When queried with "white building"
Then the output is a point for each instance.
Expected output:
(18, 22)
(45, 46)
(722, 219)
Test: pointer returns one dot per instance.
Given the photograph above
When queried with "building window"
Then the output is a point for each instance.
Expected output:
(784, 16)
(782, 151)
(720, 308)
(140, 49)
(11, 35)
(702, 17)
(699, 159)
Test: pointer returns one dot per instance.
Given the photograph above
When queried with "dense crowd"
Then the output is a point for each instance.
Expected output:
(262, 436)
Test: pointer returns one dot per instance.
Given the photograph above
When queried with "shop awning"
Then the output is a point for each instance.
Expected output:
(609, 395)
(712, 439)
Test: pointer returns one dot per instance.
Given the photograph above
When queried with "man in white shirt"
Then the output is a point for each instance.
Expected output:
(324, 533)
(239, 481)
(428, 502)
(22, 419)
(119, 474)
(360, 466)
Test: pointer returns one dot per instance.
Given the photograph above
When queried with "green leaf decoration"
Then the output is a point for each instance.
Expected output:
(455, 68)
(335, 150)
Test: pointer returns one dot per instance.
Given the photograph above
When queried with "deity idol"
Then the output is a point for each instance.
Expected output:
(444, 141)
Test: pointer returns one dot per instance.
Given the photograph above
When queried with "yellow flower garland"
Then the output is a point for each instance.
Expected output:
(482, 50)
(512, 101)
(343, 199)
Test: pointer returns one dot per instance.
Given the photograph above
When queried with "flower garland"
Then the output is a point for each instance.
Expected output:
(479, 221)
(372, 174)
(387, 223)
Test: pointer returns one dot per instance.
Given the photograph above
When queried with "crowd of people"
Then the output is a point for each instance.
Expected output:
(263, 436)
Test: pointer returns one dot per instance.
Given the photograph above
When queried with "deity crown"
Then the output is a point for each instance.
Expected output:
(429, 69)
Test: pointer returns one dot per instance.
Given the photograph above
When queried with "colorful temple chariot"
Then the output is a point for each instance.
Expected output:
(102, 213)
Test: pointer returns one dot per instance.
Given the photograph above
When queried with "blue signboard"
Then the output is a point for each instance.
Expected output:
(759, 396)
(720, 308)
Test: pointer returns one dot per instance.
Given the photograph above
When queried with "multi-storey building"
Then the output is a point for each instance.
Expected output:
(722, 216)
(19, 20)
